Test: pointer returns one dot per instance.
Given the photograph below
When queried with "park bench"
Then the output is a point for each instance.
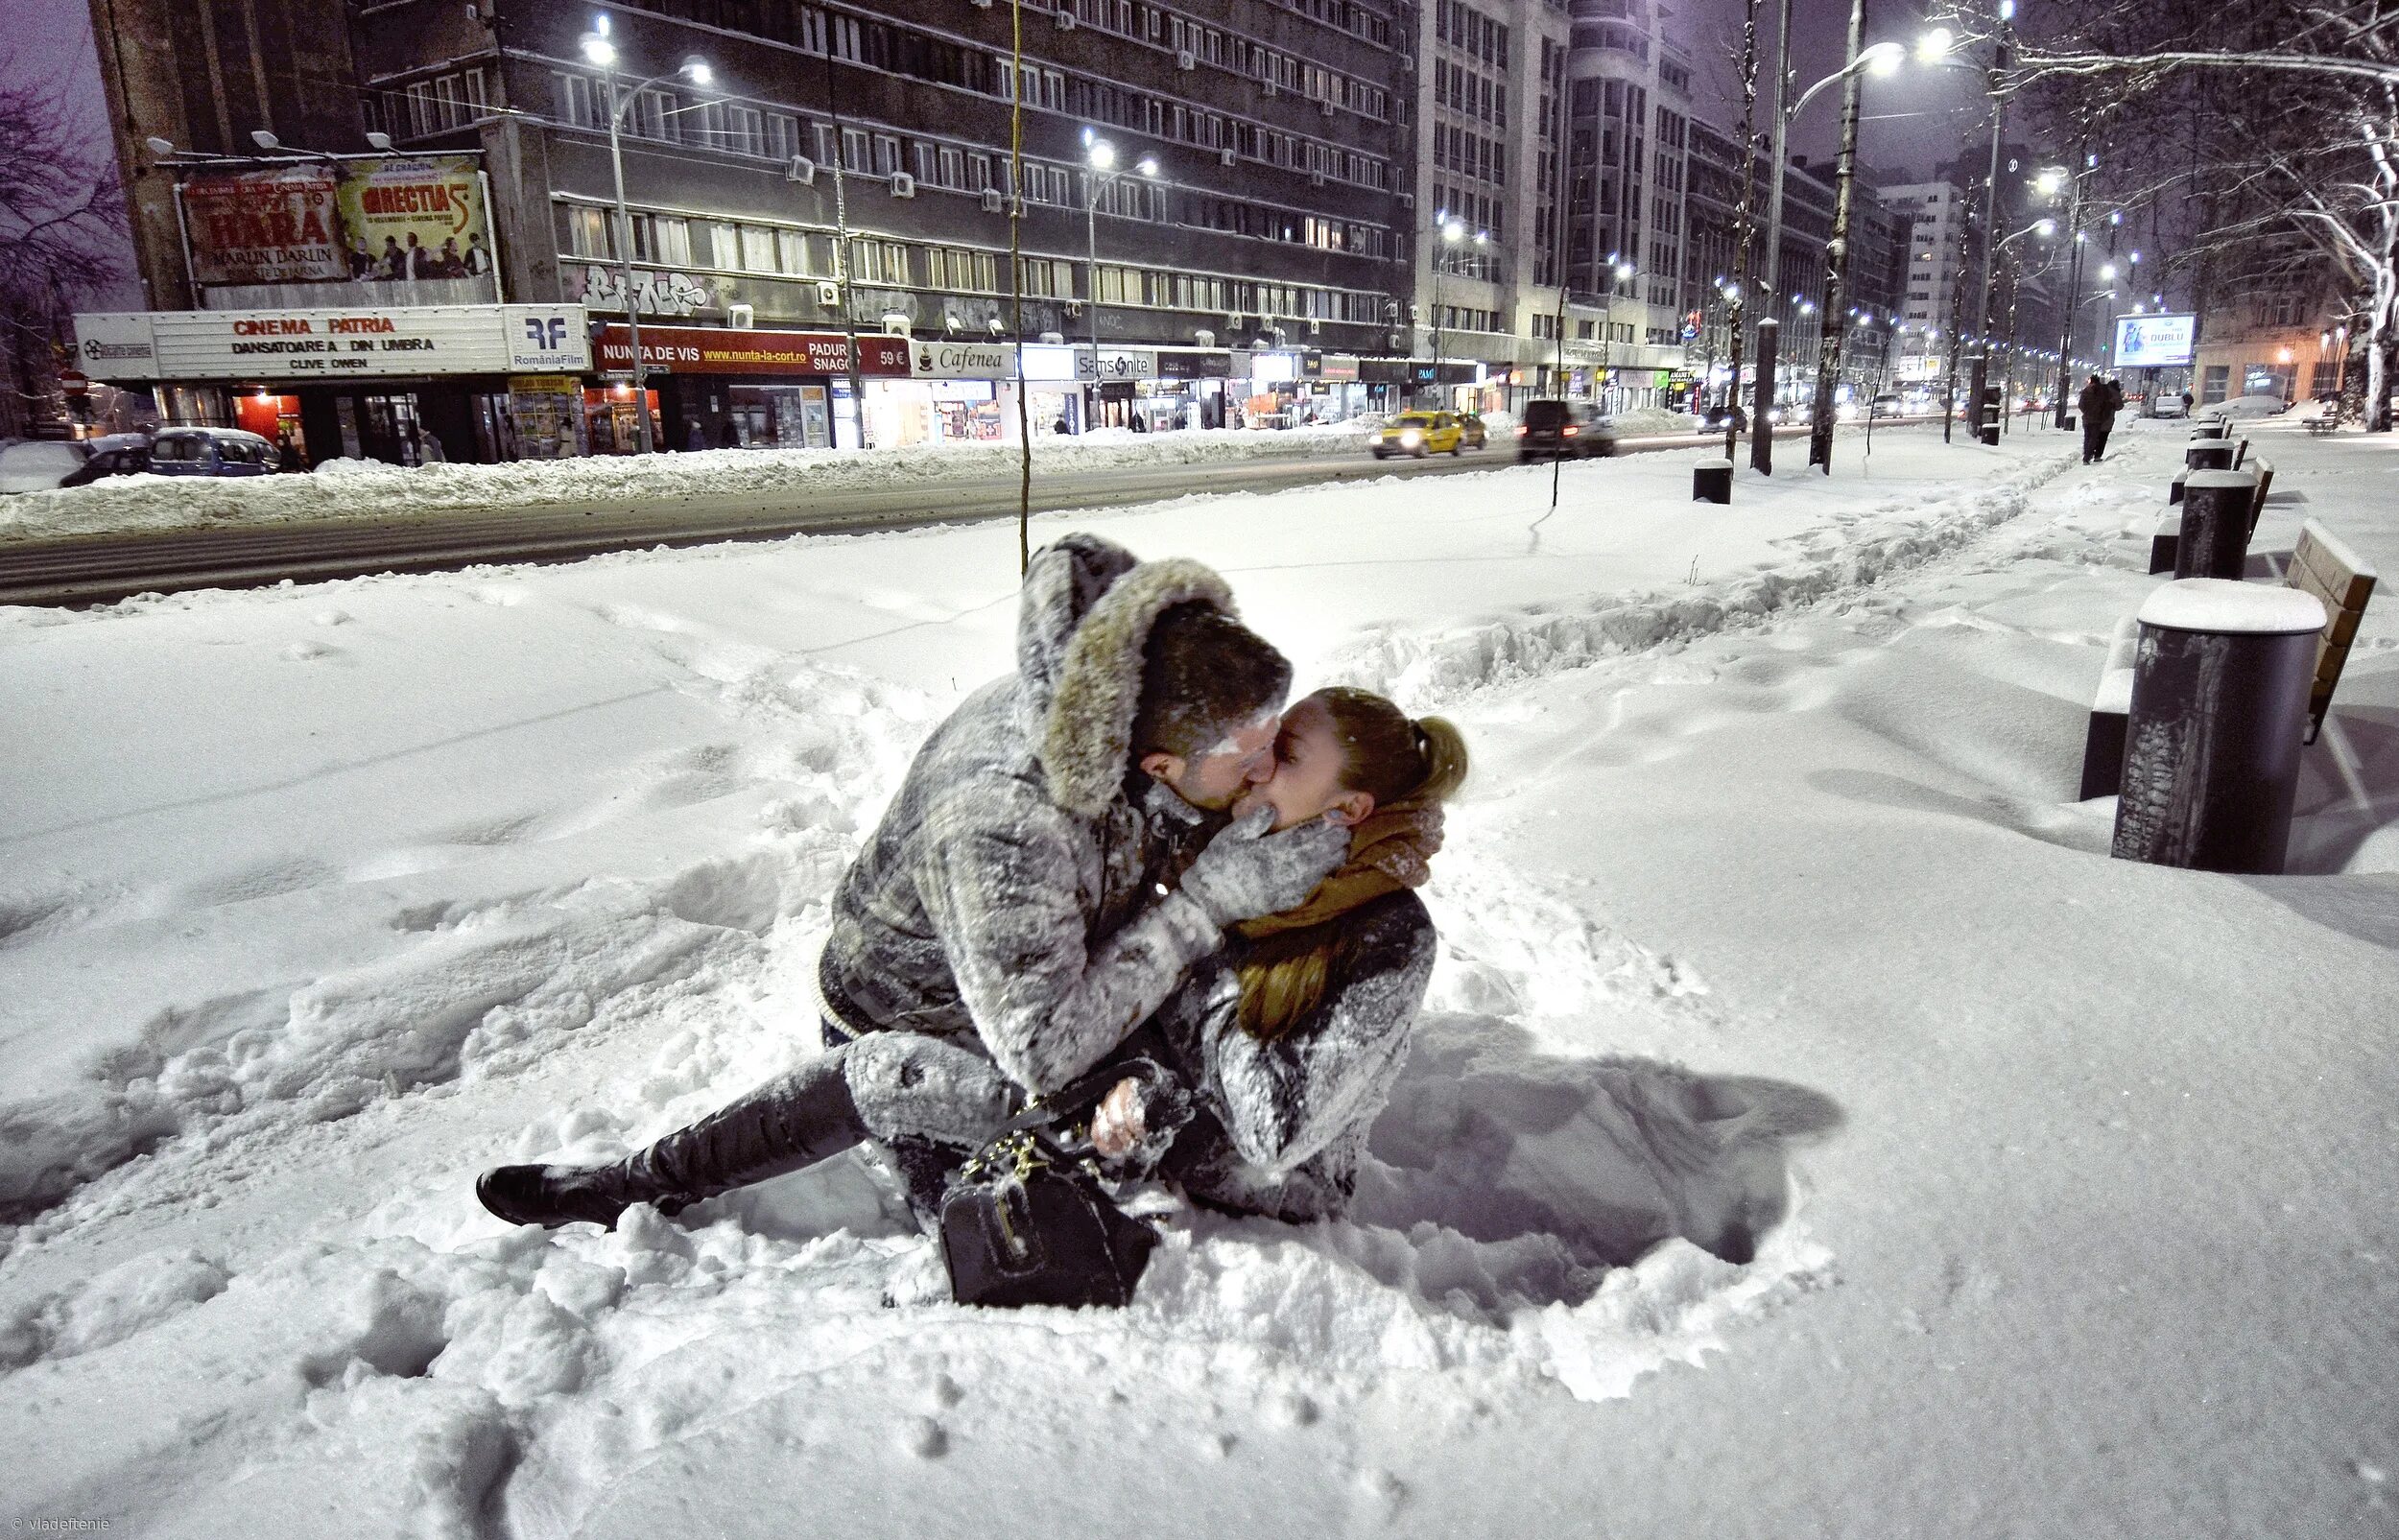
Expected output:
(2320, 564)
(2322, 427)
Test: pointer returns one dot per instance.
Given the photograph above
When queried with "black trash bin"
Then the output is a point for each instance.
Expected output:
(2220, 702)
(2215, 536)
(1712, 482)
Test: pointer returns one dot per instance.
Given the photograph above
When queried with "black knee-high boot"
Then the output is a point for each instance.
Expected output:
(783, 1125)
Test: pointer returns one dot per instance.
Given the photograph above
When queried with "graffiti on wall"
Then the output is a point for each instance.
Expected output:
(602, 286)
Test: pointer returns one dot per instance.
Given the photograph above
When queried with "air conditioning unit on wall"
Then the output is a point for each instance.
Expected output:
(1325, 107)
(1186, 60)
(802, 169)
(1066, 20)
(1270, 88)
(903, 185)
(828, 294)
(740, 316)
(1226, 157)
(991, 204)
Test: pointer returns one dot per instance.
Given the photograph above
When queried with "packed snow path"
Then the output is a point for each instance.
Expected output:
(320, 900)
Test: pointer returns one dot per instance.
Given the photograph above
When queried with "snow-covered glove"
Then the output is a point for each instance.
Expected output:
(1246, 871)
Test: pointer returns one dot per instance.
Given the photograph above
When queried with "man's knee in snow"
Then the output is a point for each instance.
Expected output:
(909, 1085)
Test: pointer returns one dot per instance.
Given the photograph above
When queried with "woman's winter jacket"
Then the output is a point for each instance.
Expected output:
(1285, 1120)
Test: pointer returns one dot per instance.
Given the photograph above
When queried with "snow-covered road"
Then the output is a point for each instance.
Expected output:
(315, 901)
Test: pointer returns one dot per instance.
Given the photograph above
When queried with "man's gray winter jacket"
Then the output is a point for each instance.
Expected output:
(1290, 1117)
(1015, 896)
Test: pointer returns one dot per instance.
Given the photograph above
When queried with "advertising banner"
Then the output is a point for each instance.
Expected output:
(415, 218)
(368, 220)
(729, 350)
(2154, 341)
(265, 226)
(963, 361)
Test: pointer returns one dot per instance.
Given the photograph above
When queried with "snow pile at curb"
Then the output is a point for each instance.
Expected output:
(360, 488)
(1422, 670)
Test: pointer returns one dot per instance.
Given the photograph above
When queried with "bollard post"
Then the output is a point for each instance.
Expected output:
(1712, 482)
(2213, 428)
(2215, 538)
(2209, 454)
(2166, 540)
(2220, 702)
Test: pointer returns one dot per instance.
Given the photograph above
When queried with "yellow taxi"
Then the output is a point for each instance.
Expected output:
(1421, 433)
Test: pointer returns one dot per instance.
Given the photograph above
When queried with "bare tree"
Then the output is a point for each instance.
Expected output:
(62, 235)
(2275, 187)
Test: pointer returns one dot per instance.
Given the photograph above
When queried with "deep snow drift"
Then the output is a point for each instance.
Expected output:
(1770, 884)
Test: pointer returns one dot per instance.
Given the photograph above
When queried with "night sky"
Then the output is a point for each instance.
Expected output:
(1909, 122)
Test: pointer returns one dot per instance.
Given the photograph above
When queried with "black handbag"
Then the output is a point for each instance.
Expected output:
(1026, 1221)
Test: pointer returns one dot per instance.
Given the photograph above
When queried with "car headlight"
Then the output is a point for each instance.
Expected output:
(1412, 437)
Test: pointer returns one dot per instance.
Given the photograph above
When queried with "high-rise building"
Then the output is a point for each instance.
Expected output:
(1490, 77)
(1940, 223)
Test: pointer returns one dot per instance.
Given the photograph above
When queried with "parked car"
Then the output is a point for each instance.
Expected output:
(39, 464)
(1554, 429)
(1420, 434)
(211, 452)
(1470, 424)
(114, 454)
(1714, 417)
(2168, 404)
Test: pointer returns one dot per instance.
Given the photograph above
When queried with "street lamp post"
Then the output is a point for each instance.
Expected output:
(1620, 272)
(602, 51)
(1452, 232)
(1099, 174)
(1979, 377)
(2074, 286)
(1881, 59)
(1837, 248)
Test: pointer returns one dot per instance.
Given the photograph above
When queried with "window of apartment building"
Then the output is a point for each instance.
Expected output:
(661, 238)
(886, 155)
(590, 232)
(790, 252)
(2214, 380)
(571, 96)
(745, 131)
(758, 249)
(978, 172)
(782, 135)
(883, 262)
(1045, 279)
(956, 268)
(854, 150)
(651, 116)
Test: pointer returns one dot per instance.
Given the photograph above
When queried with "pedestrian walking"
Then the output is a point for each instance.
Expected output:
(2098, 403)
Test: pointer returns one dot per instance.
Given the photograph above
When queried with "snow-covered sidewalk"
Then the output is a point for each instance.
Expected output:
(318, 900)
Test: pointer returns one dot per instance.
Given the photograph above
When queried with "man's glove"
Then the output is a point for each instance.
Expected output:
(1246, 871)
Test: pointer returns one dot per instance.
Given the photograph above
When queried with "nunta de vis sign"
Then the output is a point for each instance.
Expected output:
(305, 344)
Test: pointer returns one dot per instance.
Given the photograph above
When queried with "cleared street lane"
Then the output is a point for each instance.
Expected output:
(103, 568)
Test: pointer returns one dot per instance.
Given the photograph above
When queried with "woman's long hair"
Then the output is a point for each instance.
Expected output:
(1405, 764)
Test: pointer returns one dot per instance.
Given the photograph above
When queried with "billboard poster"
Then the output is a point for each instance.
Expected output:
(2154, 341)
(417, 217)
(265, 226)
(377, 220)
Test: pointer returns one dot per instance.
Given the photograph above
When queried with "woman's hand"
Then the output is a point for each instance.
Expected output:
(1116, 1128)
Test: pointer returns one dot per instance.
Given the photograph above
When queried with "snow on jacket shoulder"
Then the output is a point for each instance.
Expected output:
(1009, 897)
(1295, 1111)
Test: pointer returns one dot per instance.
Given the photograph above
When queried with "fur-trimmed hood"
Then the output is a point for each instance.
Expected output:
(1084, 621)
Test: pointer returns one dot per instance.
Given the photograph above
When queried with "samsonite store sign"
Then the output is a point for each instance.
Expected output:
(315, 344)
